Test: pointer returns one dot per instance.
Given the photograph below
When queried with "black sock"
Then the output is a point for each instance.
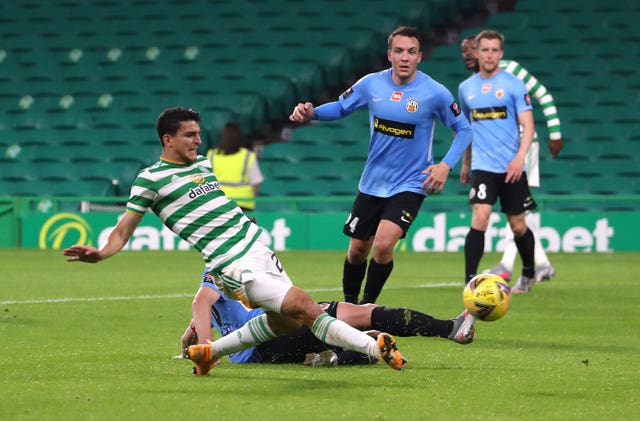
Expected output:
(407, 322)
(526, 248)
(473, 251)
(352, 276)
(377, 275)
(347, 357)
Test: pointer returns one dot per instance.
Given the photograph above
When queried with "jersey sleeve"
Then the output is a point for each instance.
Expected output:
(522, 97)
(541, 95)
(450, 114)
(447, 111)
(141, 196)
(356, 96)
(463, 104)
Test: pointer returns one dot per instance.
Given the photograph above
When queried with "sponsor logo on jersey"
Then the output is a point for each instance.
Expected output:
(486, 87)
(412, 105)
(489, 113)
(394, 128)
(455, 109)
(346, 93)
(396, 96)
(499, 93)
(203, 189)
(527, 99)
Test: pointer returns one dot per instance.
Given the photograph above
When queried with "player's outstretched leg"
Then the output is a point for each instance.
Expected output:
(463, 329)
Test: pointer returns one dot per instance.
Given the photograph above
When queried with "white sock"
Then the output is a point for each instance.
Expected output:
(254, 332)
(509, 255)
(336, 332)
(540, 256)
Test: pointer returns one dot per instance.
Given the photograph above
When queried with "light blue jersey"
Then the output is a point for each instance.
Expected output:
(402, 122)
(492, 105)
(228, 315)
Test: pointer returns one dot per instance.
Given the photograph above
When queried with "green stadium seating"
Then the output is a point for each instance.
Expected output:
(288, 54)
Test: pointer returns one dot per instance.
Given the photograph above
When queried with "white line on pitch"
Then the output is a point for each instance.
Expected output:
(184, 295)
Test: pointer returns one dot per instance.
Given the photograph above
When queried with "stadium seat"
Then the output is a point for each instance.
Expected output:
(298, 187)
(273, 187)
(14, 170)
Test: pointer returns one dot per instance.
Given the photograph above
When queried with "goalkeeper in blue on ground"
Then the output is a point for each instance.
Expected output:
(301, 346)
(183, 192)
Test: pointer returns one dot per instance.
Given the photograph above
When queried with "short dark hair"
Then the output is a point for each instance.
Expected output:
(470, 38)
(407, 31)
(170, 119)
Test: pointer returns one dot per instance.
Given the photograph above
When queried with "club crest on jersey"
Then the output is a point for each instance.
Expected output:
(396, 96)
(499, 93)
(197, 178)
(412, 105)
(486, 87)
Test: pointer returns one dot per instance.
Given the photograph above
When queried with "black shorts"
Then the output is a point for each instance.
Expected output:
(368, 211)
(515, 198)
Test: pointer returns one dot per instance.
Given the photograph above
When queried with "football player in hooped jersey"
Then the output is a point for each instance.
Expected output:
(496, 102)
(184, 193)
(403, 104)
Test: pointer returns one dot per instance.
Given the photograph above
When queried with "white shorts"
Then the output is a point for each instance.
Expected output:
(532, 164)
(257, 279)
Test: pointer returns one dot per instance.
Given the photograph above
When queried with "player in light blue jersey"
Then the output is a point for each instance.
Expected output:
(403, 104)
(497, 103)
(544, 268)
(184, 193)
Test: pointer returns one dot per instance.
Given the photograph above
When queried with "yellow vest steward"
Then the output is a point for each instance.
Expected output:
(232, 172)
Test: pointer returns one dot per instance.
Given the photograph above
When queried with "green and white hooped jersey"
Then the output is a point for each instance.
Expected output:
(188, 200)
(539, 92)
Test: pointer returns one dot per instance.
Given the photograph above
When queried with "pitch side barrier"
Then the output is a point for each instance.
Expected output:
(577, 223)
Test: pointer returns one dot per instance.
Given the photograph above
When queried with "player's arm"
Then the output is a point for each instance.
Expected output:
(189, 337)
(465, 169)
(201, 312)
(325, 112)
(117, 239)
(515, 167)
(302, 112)
(545, 99)
(438, 173)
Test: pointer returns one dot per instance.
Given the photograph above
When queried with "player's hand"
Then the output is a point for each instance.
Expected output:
(436, 177)
(514, 170)
(80, 253)
(555, 146)
(302, 112)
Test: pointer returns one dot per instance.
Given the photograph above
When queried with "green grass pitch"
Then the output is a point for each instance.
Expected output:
(89, 342)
